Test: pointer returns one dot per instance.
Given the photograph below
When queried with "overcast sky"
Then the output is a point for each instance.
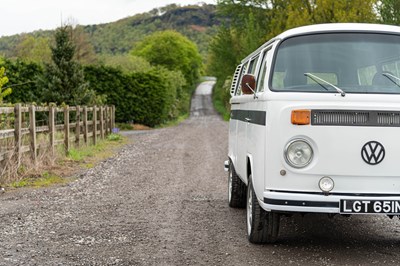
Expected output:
(20, 16)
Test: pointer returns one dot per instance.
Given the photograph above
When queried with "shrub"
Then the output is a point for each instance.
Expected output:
(22, 77)
(144, 98)
(174, 51)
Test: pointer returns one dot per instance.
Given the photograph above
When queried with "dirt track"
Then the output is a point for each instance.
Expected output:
(163, 201)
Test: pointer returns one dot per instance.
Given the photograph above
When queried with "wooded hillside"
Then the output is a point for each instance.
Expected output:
(197, 23)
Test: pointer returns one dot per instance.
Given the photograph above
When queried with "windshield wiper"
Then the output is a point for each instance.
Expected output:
(319, 80)
(390, 76)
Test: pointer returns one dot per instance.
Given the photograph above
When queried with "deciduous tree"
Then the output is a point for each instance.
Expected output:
(84, 50)
(302, 12)
(128, 63)
(22, 75)
(33, 49)
(173, 51)
(3, 80)
(389, 11)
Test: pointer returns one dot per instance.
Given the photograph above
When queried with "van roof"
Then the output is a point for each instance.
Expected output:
(329, 27)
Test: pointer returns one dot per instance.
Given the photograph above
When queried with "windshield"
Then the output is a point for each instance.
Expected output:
(354, 62)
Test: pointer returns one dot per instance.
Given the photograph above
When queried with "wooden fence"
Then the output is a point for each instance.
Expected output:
(20, 127)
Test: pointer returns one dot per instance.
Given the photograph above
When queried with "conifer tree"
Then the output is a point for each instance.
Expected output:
(63, 80)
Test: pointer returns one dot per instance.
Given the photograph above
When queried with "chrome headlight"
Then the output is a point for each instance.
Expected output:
(298, 153)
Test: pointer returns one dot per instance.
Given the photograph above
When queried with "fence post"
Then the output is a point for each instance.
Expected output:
(109, 119)
(78, 126)
(18, 132)
(101, 122)
(112, 117)
(85, 125)
(32, 131)
(66, 129)
(52, 128)
(106, 119)
(94, 125)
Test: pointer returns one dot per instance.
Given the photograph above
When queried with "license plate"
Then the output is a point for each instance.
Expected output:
(370, 206)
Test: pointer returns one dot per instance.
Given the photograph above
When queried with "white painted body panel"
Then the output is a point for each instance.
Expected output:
(337, 149)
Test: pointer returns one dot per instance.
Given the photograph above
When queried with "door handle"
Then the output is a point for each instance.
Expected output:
(247, 119)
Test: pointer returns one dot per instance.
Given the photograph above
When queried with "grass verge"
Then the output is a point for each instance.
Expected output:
(180, 119)
(221, 109)
(65, 167)
(45, 180)
(88, 156)
(175, 122)
(220, 98)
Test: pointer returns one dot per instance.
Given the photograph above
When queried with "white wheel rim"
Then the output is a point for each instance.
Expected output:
(230, 186)
(249, 210)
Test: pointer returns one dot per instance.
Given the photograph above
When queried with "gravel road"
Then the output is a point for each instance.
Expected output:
(162, 200)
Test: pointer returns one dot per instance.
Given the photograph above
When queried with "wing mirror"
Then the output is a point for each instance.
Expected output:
(249, 84)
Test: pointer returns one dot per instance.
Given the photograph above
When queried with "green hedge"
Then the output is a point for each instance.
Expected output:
(150, 98)
(221, 96)
(22, 79)
(143, 98)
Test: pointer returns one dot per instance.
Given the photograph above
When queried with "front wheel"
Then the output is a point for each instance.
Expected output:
(262, 226)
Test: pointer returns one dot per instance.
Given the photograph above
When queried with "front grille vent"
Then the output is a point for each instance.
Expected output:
(355, 118)
(389, 118)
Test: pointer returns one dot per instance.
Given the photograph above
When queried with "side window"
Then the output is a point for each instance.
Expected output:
(252, 66)
(249, 67)
(244, 69)
(262, 72)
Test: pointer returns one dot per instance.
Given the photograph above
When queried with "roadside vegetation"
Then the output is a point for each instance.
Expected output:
(66, 167)
(148, 73)
(154, 92)
(157, 92)
(254, 22)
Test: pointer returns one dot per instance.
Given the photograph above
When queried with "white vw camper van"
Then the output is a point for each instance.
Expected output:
(315, 126)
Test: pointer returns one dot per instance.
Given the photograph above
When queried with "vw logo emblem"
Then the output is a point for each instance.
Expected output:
(373, 152)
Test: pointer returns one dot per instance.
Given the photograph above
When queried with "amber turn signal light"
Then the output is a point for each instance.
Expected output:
(301, 117)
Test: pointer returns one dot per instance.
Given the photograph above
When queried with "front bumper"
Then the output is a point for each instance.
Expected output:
(289, 201)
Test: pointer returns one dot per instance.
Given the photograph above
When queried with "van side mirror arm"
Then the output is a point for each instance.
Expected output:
(250, 88)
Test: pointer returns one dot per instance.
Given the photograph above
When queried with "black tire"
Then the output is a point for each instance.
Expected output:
(236, 189)
(262, 226)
